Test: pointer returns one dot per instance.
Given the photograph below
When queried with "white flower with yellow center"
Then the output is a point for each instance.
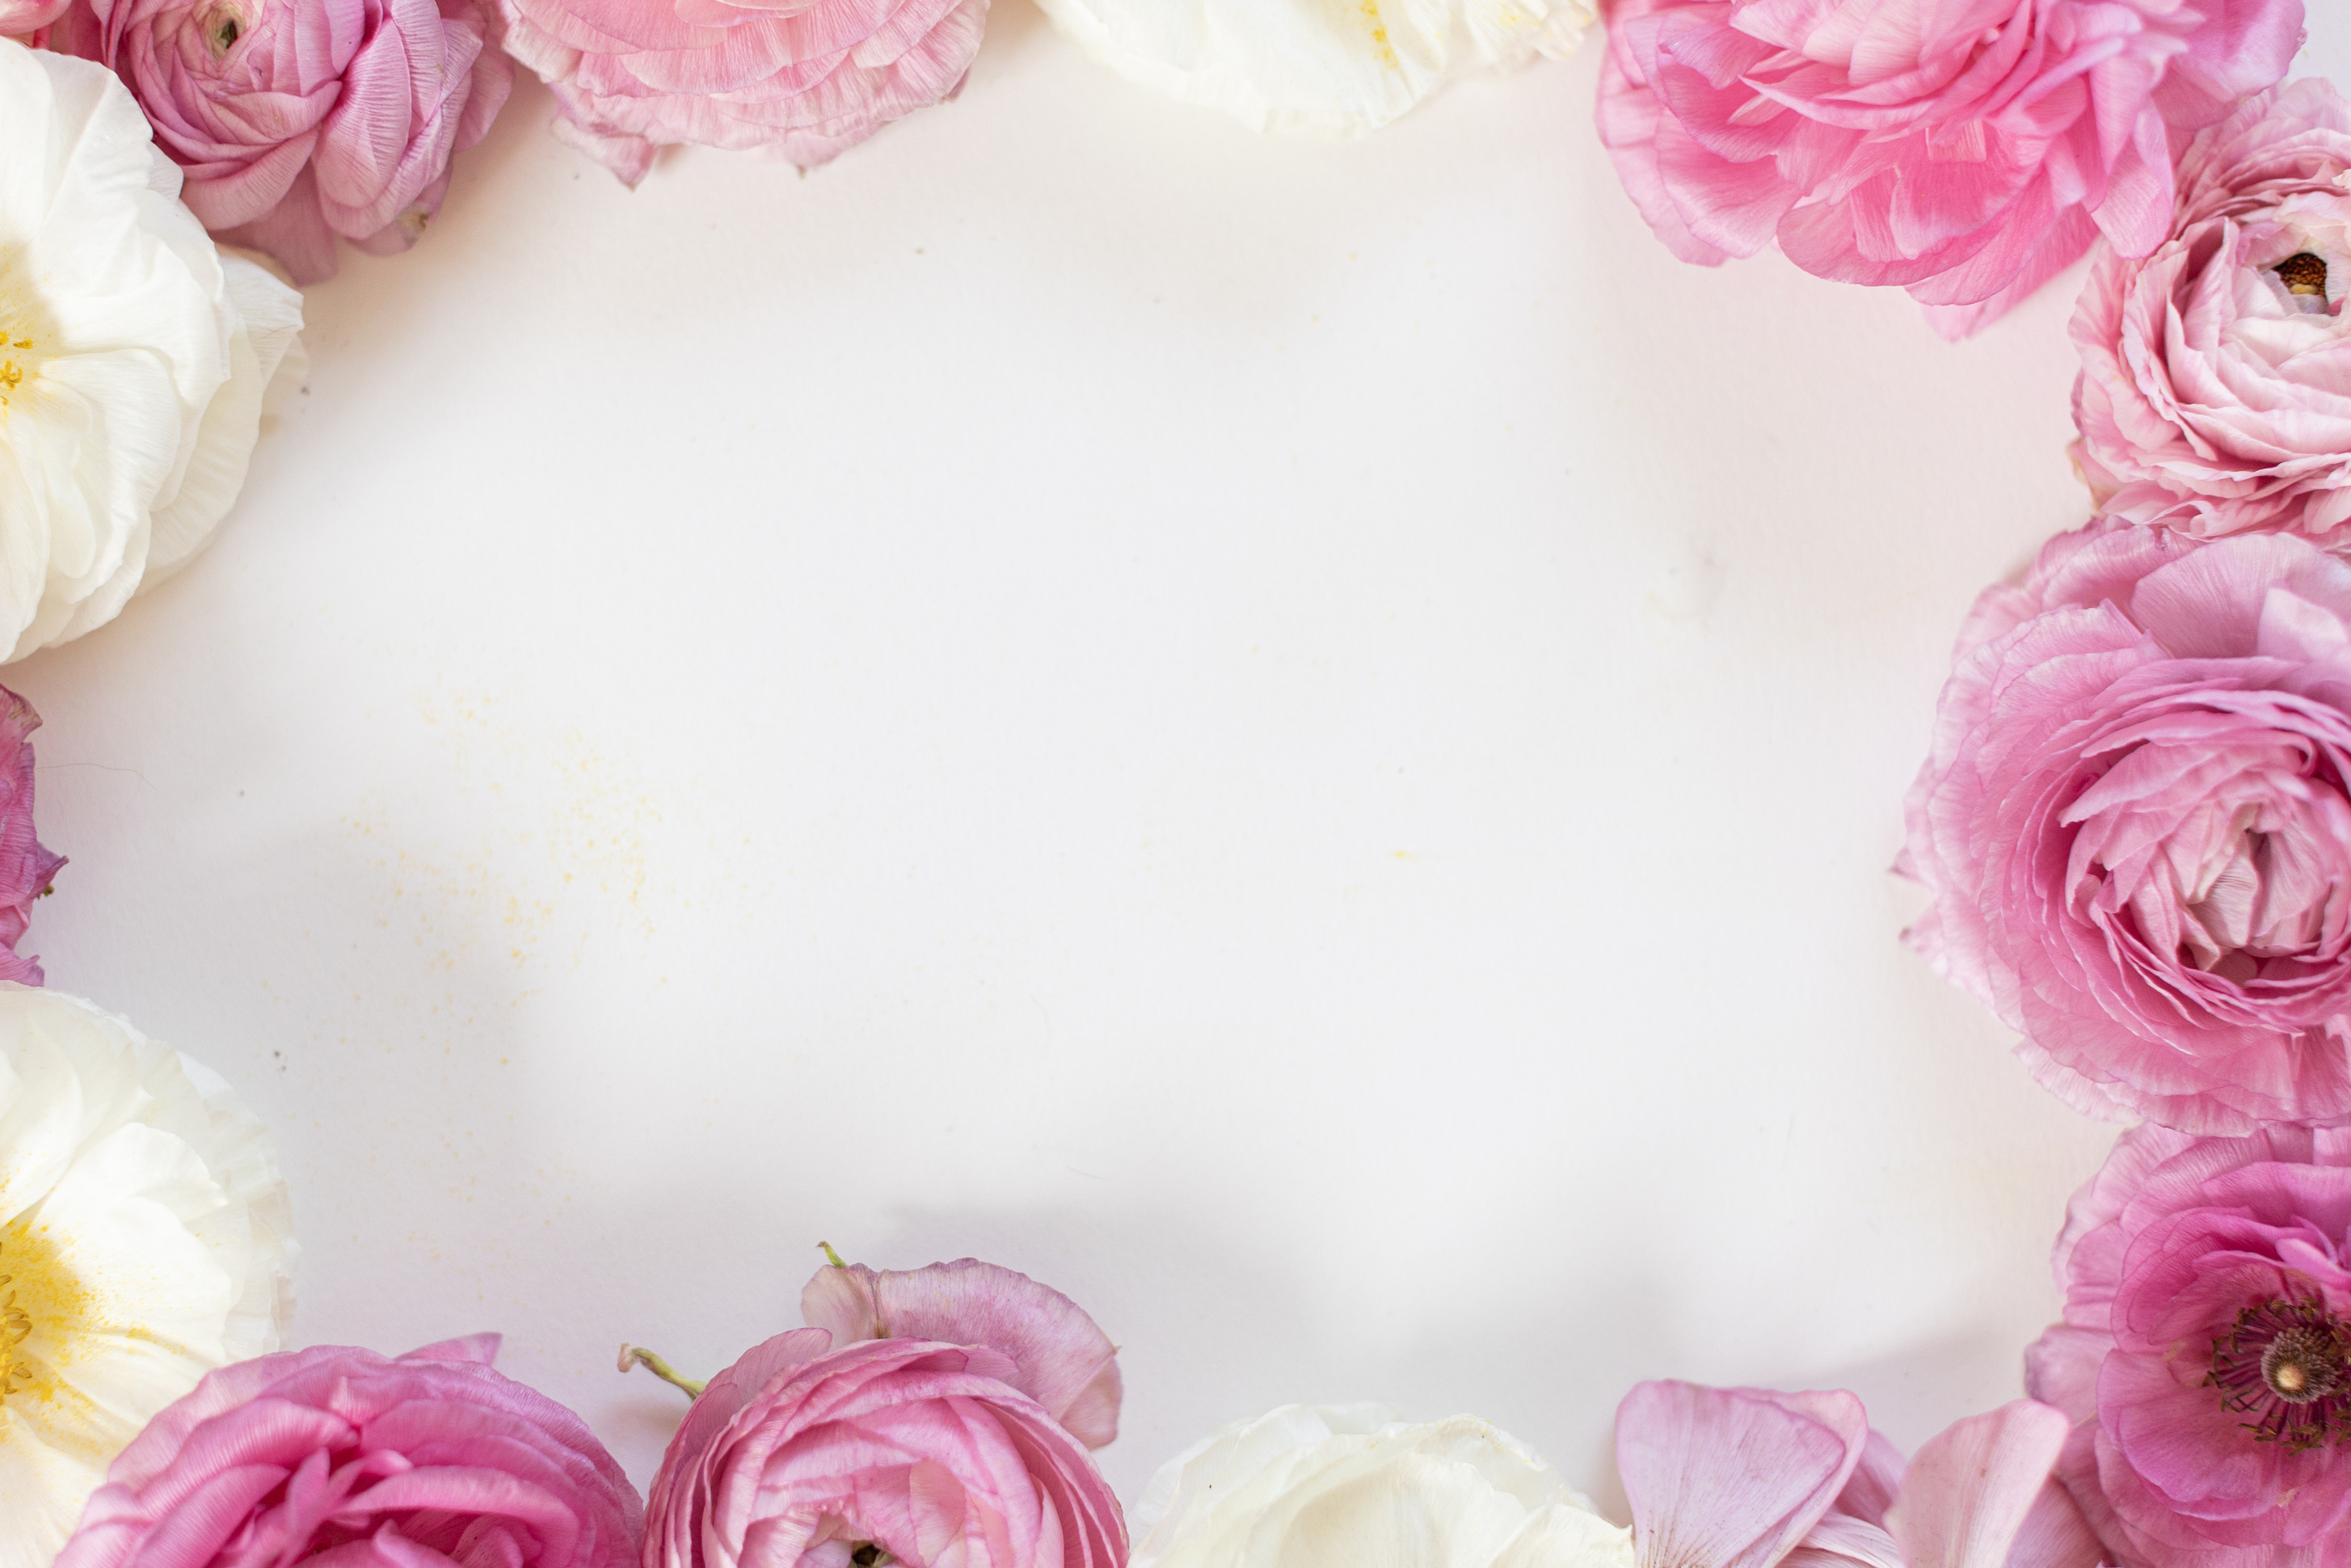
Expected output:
(1323, 1486)
(1337, 66)
(144, 1240)
(134, 355)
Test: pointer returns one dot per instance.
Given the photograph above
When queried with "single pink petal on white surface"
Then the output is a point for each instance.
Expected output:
(1967, 1492)
(1732, 1478)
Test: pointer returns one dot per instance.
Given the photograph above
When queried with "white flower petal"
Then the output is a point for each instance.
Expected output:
(143, 1241)
(1309, 1488)
(134, 358)
(1336, 67)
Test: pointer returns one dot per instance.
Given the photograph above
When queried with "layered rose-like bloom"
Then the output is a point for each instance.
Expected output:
(936, 1418)
(2205, 1353)
(1966, 151)
(1305, 65)
(1306, 1487)
(345, 1457)
(26, 868)
(144, 1240)
(2135, 829)
(297, 121)
(805, 79)
(134, 355)
(1751, 1478)
(2215, 392)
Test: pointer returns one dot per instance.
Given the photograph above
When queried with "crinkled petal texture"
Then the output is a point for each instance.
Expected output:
(804, 79)
(799, 1453)
(26, 868)
(1062, 1358)
(1326, 1487)
(134, 355)
(1751, 1478)
(1964, 150)
(2208, 1311)
(2215, 394)
(2135, 825)
(343, 1455)
(145, 1239)
(298, 122)
(1312, 65)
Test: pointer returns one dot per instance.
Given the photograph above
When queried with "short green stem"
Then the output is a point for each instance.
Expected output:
(634, 1355)
(830, 1256)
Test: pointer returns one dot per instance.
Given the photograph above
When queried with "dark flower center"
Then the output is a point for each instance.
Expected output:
(2304, 273)
(867, 1555)
(2286, 1363)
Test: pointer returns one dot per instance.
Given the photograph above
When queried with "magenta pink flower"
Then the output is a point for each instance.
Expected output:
(2205, 1353)
(347, 1458)
(1965, 150)
(807, 79)
(947, 1450)
(297, 121)
(26, 868)
(1748, 1478)
(2215, 392)
(2135, 829)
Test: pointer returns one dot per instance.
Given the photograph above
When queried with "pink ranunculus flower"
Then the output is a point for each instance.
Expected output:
(2135, 825)
(26, 869)
(1966, 151)
(926, 1419)
(806, 78)
(350, 1459)
(2215, 392)
(1751, 1478)
(295, 123)
(2204, 1356)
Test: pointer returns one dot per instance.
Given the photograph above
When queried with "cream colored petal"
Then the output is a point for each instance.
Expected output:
(1333, 67)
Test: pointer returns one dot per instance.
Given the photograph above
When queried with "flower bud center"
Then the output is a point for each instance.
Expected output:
(2304, 273)
(40, 1303)
(2286, 1363)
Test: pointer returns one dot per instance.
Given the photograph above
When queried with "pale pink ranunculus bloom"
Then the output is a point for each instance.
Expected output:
(1751, 1478)
(940, 1417)
(2215, 392)
(300, 122)
(26, 868)
(2135, 825)
(346, 1457)
(29, 19)
(2202, 1354)
(1965, 150)
(804, 79)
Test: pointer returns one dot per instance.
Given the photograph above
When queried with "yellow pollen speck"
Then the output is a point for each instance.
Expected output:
(11, 377)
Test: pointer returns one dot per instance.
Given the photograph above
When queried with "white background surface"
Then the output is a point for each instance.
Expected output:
(1299, 740)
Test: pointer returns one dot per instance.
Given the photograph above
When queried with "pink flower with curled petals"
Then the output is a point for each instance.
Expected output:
(2215, 394)
(26, 869)
(2204, 1357)
(919, 1421)
(300, 122)
(1750, 1477)
(1964, 150)
(805, 79)
(2135, 825)
(348, 1457)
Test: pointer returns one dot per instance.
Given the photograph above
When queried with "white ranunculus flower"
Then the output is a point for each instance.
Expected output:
(1323, 1486)
(134, 355)
(144, 1240)
(1332, 65)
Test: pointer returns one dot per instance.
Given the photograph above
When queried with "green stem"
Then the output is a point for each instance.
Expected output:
(632, 1355)
(830, 1256)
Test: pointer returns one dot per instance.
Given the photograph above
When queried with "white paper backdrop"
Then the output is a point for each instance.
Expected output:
(1300, 740)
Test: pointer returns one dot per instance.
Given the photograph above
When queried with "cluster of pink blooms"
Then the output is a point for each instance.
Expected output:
(2134, 824)
(938, 1418)
(302, 124)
